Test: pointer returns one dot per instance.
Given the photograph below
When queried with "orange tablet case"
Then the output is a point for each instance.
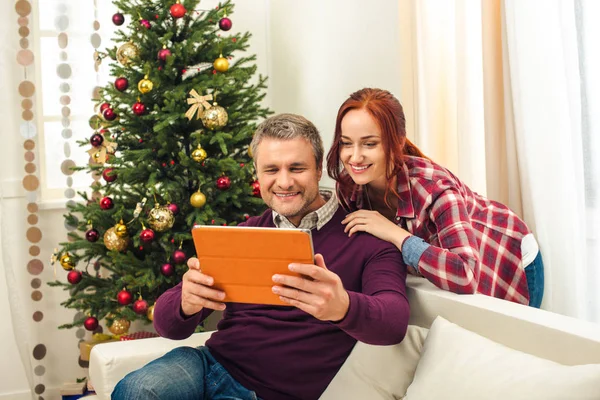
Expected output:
(243, 260)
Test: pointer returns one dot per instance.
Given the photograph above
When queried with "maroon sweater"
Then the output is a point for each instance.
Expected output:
(284, 353)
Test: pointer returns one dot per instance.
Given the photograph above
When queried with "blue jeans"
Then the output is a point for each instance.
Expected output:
(183, 373)
(535, 281)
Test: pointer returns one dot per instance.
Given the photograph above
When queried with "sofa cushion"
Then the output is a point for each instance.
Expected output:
(378, 372)
(459, 364)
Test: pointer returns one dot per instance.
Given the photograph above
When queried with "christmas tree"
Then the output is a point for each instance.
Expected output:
(169, 150)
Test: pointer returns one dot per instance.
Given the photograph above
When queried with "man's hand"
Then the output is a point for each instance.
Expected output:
(323, 296)
(196, 292)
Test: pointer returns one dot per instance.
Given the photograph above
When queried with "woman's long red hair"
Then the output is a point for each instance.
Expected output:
(387, 112)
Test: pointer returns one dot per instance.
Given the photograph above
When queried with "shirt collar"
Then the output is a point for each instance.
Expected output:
(405, 203)
(316, 219)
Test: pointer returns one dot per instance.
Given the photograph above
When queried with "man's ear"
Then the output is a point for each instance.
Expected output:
(319, 172)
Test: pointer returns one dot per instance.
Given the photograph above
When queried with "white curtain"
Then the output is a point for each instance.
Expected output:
(10, 266)
(506, 94)
(554, 67)
(443, 85)
(20, 325)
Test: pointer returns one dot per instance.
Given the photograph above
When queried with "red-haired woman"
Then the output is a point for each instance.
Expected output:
(457, 239)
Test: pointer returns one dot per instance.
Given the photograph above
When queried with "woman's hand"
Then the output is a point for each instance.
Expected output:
(375, 224)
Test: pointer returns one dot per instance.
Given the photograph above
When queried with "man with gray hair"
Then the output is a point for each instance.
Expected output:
(355, 291)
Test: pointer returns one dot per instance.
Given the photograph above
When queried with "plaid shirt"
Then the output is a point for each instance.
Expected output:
(316, 219)
(475, 243)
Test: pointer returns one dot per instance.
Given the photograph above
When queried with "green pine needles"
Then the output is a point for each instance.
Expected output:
(157, 172)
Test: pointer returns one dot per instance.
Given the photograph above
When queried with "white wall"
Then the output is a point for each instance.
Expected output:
(315, 53)
(321, 51)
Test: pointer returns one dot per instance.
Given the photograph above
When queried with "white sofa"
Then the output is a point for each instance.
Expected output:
(496, 350)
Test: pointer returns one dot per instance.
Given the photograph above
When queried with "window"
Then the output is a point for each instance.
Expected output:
(66, 79)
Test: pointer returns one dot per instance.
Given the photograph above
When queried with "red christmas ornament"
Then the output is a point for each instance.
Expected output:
(139, 108)
(109, 114)
(177, 10)
(106, 203)
(179, 257)
(223, 183)
(91, 323)
(225, 24)
(92, 235)
(104, 106)
(163, 54)
(109, 175)
(174, 208)
(255, 189)
(121, 84)
(124, 297)
(242, 165)
(140, 306)
(145, 23)
(167, 269)
(96, 140)
(74, 277)
(147, 235)
(118, 19)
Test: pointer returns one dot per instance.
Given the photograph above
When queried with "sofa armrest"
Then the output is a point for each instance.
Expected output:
(110, 362)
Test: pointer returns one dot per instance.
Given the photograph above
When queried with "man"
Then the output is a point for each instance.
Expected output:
(354, 291)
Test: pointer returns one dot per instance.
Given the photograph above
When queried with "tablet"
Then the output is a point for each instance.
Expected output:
(243, 260)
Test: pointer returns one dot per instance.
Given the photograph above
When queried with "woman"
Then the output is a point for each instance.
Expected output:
(457, 239)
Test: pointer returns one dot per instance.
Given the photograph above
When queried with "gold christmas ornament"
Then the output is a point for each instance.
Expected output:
(114, 242)
(121, 230)
(197, 104)
(250, 152)
(96, 122)
(198, 199)
(127, 53)
(100, 154)
(145, 85)
(119, 326)
(221, 64)
(215, 117)
(199, 154)
(66, 261)
(161, 218)
(150, 313)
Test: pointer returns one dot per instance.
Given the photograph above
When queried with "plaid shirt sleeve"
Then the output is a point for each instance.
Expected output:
(455, 264)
